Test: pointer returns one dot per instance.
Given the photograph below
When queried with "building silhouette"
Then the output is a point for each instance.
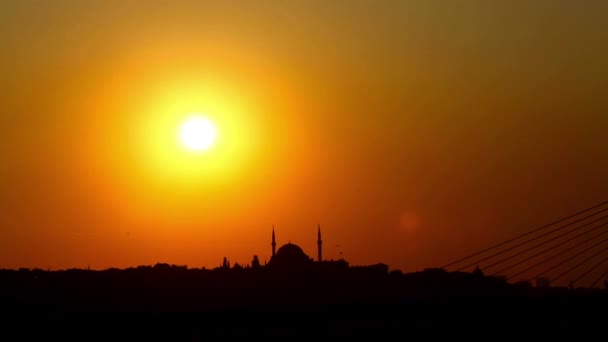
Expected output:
(292, 256)
(319, 245)
(274, 242)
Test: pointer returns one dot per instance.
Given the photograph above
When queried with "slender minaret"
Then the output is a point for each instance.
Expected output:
(274, 242)
(319, 244)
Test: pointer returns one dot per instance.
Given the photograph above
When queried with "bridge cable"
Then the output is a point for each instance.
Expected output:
(571, 258)
(546, 249)
(525, 234)
(534, 238)
(599, 278)
(579, 264)
(555, 246)
(556, 255)
(589, 270)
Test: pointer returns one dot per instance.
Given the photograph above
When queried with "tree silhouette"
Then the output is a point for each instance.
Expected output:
(255, 263)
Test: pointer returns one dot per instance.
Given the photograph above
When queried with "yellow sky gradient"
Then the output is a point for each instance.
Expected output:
(404, 128)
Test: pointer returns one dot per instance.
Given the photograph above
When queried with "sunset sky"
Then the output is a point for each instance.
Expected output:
(413, 132)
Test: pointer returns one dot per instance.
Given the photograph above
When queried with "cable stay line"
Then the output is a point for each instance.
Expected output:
(534, 238)
(556, 255)
(589, 270)
(523, 235)
(599, 278)
(545, 242)
(579, 264)
(569, 259)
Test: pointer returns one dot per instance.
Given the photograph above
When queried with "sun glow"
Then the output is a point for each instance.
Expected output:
(198, 134)
(183, 141)
(191, 136)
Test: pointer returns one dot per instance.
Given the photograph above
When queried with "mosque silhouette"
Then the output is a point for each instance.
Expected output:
(292, 256)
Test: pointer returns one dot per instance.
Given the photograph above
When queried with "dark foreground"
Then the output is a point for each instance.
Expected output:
(469, 318)
(191, 306)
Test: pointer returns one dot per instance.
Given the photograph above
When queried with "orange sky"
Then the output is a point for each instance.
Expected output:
(414, 132)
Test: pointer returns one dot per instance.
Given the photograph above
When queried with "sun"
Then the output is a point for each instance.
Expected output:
(197, 133)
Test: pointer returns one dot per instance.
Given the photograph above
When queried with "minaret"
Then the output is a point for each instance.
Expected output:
(274, 243)
(319, 244)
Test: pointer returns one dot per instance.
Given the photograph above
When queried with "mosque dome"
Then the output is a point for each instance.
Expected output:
(291, 256)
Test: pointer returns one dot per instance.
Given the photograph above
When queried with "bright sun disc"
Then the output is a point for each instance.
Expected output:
(197, 133)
